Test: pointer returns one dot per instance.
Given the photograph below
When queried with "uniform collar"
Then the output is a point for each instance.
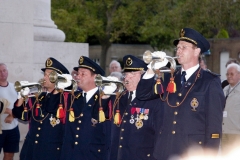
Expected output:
(90, 93)
(190, 71)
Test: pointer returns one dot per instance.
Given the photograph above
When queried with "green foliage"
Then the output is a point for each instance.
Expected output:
(154, 22)
(222, 34)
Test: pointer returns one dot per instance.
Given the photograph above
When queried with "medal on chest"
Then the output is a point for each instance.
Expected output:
(141, 115)
(146, 114)
(133, 110)
(194, 104)
(54, 121)
(139, 123)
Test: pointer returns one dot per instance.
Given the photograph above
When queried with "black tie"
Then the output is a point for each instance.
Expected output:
(183, 79)
(130, 97)
(85, 98)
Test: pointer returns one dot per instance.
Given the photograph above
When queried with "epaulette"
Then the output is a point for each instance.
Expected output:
(78, 95)
(40, 99)
(213, 73)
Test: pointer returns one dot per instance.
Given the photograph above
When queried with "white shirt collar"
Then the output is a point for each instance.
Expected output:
(190, 71)
(90, 93)
(133, 95)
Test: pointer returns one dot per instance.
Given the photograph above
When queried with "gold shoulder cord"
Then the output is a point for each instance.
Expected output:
(166, 99)
(37, 100)
(72, 100)
(116, 102)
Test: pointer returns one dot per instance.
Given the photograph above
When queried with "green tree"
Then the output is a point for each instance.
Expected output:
(97, 19)
(109, 21)
(155, 22)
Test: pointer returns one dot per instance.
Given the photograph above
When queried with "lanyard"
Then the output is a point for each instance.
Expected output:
(228, 92)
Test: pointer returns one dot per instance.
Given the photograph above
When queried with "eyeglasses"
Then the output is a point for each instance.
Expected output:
(130, 74)
(181, 48)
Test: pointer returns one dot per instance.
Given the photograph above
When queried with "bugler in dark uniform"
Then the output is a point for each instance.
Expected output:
(86, 133)
(45, 135)
(134, 134)
(192, 112)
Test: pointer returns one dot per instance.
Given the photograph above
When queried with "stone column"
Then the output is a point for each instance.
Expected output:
(44, 28)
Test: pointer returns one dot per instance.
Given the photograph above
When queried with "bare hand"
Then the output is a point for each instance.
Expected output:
(8, 119)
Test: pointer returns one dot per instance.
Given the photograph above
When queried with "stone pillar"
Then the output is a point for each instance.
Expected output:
(44, 28)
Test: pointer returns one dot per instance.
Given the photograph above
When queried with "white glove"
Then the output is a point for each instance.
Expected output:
(19, 95)
(158, 63)
(67, 76)
(24, 92)
(109, 89)
(159, 54)
(63, 85)
(112, 78)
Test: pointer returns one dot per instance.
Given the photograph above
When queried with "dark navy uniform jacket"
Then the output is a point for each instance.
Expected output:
(129, 142)
(43, 141)
(83, 140)
(195, 114)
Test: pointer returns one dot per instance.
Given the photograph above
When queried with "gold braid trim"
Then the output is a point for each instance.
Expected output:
(137, 69)
(54, 69)
(87, 67)
(189, 39)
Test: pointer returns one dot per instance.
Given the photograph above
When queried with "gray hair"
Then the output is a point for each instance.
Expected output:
(234, 65)
(114, 61)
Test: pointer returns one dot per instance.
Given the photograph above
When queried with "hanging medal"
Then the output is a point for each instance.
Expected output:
(141, 115)
(139, 123)
(138, 111)
(54, 121)
(133, 110)
(146, 111)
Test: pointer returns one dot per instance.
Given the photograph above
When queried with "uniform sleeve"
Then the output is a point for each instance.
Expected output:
(145, 89)
(18, 111)
(214, 114)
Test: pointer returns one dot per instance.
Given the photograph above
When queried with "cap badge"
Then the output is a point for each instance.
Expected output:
(194, 104)
(182, 32)
(49, 62)
(81, 60)
(129, 62)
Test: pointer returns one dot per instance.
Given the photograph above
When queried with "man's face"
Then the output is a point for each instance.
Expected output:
(85, 79)
(233, 76)
(3, 73)
(47, 84)
(187, 53)
(131, 80)
(114, 68)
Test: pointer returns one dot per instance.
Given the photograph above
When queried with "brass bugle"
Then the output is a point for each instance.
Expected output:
(101, 81)
(72, 87)
(148, 58)
(55, 77)
(34, 88)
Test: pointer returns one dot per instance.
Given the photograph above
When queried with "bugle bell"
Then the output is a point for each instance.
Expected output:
(72, 87)
(35, 88)
(103, 82)
(56, 78)
(148, 57)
